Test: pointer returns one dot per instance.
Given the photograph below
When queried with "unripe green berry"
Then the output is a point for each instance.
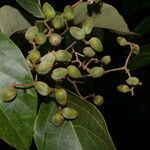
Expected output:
(106, 59)
(98, 100)
(87, 26)
(73, 72)
(136, 49)
(48, 11)
(9, 94)
(29, 63)
(55, 39)
(57, 119)
(77, 33)
(69, 113)
(123, 88)
(68, 13)
(61, 96)
(132, 81)
(96, 72)
(31, 33)
(88, 52)
(50, 57)
(58, 22)
(63, 56)
(96, 44)
(58, 73)
(34, 55)
(40, 38)
(122, 41)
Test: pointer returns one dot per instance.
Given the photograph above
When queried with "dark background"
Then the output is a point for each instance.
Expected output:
(127, 117)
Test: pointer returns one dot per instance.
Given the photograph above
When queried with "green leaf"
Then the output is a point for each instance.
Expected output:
(32, 6)
(87, 132)
(16, 117)
(108, 17)
(142, 59)
(11, 20)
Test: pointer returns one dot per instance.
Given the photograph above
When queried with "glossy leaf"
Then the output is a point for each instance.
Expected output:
(87, 132)
(16, 117)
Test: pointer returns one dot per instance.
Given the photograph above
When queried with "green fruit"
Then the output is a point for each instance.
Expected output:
(58, 22)
(57, 119)
(96, 44)
(123, 88)
(122, 41)
(96, 72)
(73, 72)
(34, 55)
(132, 81)
(98, 100)
(87, 26)
(68, 13)
(88, 52)
(29, 63)
(106, 59)
(50, 58)
(48, 11)
(44, 67)
(9, 94)
(40, 38)
(55, 39)
(61, 96)
(63, 56)
(43, 88)
(136, 49)
(69, 113)
(31, 33)
(58, 73)
(77, 33)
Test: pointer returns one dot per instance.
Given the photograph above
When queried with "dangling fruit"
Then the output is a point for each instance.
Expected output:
(31, 33)
(77, 33)
(69, 113)
(58, 22)
(40, 38)
(87, 26)
(9, 94)
(57, 119)
(34, 55)
(58, 74)
(133, 81)
(106, 59)
(136, 49)
(98, 100)
(43, 88)
(48, 11)
(96, 72)
(55, 39)
(61, 96)
(88, 52)
(122, 41)
(73, 72)
(123, 88)
(50, 57)
(96, 44)
(63, 56)
(68, 13)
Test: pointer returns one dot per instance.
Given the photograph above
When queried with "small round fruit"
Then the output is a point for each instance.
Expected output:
(58, 74)
(96, 44)
(58, 22)
(48, 11)
(34, 55)
(31, 33)
(61, 96)
(57, 119)
(133, 81)
(9, 94)
(136, 49)
(50, 57)
(40, 38)
(68, 13)
(87, 26)
(63, 56)
(73, 72)
(98, 100)
(77, 33)
(106, 59)
(69, 113)
(96, 72)
(123, 88)
(55, 39)
(122, 41)
(88, 52)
